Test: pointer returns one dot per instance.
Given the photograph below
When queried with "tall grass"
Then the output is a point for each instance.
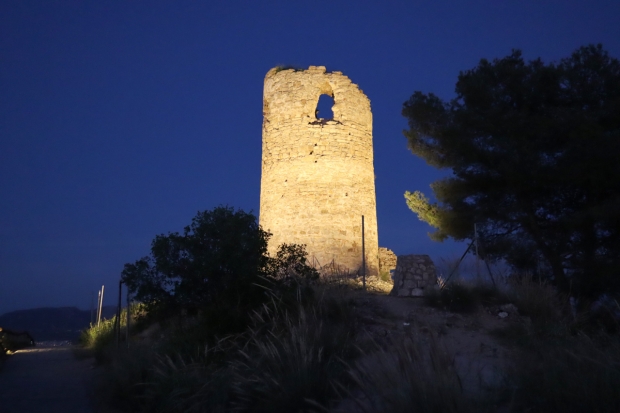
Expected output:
(309, 354)
(559, 364)
(288, 359)
(536, 299)
(294, 364)
(408, 376)
(98, 337)
(577, 374)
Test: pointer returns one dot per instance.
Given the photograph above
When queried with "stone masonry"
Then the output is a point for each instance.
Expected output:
(414, 274)
(317, 174)
(387, 260)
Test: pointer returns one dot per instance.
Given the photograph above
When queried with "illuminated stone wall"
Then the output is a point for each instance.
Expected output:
(387, 260)
(317, 175)
(413, 274)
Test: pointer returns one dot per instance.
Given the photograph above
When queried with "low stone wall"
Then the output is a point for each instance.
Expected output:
(413, 274)
(387, 260)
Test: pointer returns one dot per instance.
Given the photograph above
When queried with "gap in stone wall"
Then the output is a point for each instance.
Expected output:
(324, 107)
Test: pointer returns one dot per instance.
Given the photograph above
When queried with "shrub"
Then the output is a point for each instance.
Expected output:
(222, 252)
(218, 267)
(98, 337)
(287, 67)
(290, 265)
(536, 299)
(463, 297)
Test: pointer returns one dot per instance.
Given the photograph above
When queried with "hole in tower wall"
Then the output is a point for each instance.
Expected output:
(324, 107)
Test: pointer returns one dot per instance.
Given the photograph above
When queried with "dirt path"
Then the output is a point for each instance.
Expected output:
(46, 379)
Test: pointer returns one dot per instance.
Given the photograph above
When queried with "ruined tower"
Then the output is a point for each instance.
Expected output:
(317, 174)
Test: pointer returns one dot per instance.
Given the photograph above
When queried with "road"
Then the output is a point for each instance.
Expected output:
(46, 379)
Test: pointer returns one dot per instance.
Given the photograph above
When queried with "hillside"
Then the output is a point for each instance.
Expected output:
(51, 323)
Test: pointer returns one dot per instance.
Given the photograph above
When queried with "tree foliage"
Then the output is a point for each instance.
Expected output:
(533, 148)
(290, 265)
(220, 257)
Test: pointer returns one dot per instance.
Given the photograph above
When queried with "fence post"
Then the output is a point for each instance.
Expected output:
(92, 308)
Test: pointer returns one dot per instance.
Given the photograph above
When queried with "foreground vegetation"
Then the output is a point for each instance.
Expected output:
(308, 351)
(224, 327)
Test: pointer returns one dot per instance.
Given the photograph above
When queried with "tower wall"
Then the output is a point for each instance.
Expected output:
(317, 175)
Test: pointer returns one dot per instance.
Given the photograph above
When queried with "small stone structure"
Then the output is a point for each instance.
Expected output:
(414, 274)
(387, 260)
(317, 174)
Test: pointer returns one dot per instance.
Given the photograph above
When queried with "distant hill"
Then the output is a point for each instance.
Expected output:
(55, 323)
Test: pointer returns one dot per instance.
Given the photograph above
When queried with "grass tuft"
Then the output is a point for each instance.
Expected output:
(407, 376)
(536, 299)
(577, 374)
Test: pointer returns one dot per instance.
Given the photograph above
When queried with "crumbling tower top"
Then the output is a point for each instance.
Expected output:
(317, 174)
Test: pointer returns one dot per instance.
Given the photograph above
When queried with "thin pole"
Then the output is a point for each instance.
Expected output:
(92, 307)
(100, 305)
(363, 257)
(490, 273)
(457, 265)
(478, 258)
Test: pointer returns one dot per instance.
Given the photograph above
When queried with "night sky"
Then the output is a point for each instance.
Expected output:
(120, 120)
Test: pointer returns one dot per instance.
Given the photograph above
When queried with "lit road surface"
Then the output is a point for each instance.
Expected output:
(46, 380)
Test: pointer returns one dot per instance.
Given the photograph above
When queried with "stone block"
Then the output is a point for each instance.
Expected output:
(409, 268)
(404, 292)
(410, 284)
(417, 292)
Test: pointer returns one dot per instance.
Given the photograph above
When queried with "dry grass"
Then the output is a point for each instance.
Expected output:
(536, 299)
(408, 376)
(291, 367)
(309, 355)
(286, 360)
(573, 375)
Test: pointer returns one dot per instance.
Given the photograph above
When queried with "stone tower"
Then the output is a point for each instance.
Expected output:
(317, 174)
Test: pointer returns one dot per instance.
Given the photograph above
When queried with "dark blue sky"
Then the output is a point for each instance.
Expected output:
(120, 120)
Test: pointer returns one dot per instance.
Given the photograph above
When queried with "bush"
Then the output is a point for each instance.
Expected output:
(536, 299)
(463, 297)
(222, 252)
(98, 338)
(220, 261)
